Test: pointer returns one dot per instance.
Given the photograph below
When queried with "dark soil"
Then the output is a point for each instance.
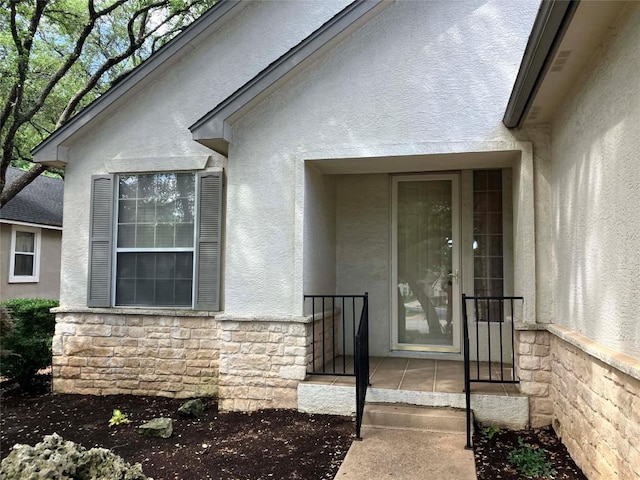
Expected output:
(492, 449)
(269, 444)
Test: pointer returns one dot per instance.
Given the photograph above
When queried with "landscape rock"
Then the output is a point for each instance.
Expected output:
(191, 408)
(157, 427)
(57, 459)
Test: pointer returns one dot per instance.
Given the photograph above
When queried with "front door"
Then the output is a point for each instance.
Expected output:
(425, 287)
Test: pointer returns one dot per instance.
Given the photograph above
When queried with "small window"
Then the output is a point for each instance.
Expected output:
(487, 233)
(25, 255)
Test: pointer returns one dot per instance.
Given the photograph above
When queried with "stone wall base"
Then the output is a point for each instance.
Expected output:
(248, 363)
(534, 372)
(261, 364)
(596, 413)
(107, 354)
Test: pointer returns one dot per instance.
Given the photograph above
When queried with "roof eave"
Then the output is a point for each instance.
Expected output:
(552, 21)
(214, 129)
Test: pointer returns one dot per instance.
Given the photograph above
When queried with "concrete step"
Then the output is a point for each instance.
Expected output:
(411, 417)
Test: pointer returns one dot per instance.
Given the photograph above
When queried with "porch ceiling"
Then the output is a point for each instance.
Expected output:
(417, 163)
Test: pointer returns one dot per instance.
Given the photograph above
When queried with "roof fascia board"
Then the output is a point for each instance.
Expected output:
(48, 150)
(28, 224)
(214, 129)
(552, 21)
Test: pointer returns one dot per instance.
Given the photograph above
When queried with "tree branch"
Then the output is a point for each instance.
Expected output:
(20, 183)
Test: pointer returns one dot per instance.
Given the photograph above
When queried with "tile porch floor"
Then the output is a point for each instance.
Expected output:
(422, 375)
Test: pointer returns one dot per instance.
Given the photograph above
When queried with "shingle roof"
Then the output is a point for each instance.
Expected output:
(40, 202)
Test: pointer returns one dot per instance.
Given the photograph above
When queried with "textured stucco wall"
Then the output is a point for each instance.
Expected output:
(596, 195)
(153, 121)
(319, 233)
(362, 252)
(48, 285)
(449, 86)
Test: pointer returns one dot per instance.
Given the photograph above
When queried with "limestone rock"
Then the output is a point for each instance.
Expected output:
(57, 459)
(191, 408)
(157, 427)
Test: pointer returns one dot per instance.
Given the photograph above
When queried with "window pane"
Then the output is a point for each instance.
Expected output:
(146, 210)
(154, 279)
(184, 210)
(23, 266)
(126, 211)
(128, 186)
(184, 235)
(144, 292)
(144, 235)
(164, 235)
(183, 292)
(164, 292)
(126, 265)
(25, 241)
(146, 267)
(126, 292)
(126, 236)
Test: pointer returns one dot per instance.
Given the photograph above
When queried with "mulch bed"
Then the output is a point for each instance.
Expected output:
(492, 448)
(269, 444)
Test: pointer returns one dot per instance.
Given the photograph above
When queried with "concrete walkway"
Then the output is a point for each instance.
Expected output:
(408, 454)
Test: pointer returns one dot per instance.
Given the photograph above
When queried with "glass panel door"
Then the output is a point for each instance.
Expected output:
(425, 281)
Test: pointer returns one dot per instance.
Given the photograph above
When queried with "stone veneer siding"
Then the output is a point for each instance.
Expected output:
(534, 371)
(249, 363)
(596, 408)
(141, 353)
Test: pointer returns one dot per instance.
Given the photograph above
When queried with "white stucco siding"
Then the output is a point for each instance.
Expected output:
(153, 120)
(363, 250)
(445, 76)
(596, 191)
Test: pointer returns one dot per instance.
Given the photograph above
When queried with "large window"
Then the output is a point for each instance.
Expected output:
(155, 240)
(25, 254)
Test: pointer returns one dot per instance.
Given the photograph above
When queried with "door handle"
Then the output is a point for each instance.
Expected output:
(455, 276)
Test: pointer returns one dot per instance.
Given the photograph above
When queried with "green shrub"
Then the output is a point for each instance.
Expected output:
(25, 339)
(530, 461)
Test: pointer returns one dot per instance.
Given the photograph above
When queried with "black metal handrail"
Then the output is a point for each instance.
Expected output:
(490, 311)
(335, 318)
(361, 364)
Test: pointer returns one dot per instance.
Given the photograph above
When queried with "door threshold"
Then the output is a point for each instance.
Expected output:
(425, 355)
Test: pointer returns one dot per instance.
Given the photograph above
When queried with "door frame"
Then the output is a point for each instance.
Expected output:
(456, 264)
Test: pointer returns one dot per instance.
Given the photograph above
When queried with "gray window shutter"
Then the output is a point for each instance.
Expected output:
(100, 240)
(208, 240)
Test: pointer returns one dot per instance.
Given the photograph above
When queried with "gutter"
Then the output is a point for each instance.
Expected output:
(552, 22)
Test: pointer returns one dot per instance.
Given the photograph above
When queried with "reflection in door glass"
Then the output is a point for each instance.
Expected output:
(425, 251)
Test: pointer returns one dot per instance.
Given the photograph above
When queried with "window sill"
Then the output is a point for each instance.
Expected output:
(160, 312)
(23, 280)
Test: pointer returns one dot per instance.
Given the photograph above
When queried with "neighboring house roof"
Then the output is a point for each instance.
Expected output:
(48, 152)
(38, 203)
(564, 37)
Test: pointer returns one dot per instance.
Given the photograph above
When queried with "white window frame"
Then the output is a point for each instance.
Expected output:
(35, 277)
(116, 249)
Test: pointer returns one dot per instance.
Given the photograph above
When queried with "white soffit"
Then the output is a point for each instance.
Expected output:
(589, 28)
(417, 163)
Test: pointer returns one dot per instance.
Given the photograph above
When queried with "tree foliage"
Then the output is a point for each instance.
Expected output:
(56, 56)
